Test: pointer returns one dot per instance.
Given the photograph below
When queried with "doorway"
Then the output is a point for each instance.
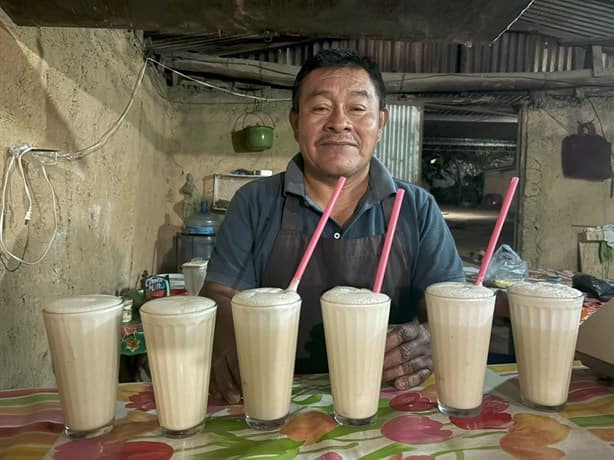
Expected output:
(468, 160)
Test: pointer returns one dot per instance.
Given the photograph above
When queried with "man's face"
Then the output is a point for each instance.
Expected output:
(337, 122)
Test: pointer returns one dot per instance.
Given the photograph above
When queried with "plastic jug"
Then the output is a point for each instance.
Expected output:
(203, 222)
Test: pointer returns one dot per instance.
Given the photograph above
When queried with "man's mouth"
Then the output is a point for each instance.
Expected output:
(338, 142)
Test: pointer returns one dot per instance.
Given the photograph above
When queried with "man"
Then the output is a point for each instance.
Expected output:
(338, 114)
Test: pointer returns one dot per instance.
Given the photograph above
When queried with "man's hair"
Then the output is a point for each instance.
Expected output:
(338, 58)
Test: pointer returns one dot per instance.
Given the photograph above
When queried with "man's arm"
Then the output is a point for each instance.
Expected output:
(225, 379)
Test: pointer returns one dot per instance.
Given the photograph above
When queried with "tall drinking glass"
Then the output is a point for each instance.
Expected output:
(355, 327)
(194, 273)
(460, 319)
(179, 336)
(545, 321)
(266, 330)
(84, 335)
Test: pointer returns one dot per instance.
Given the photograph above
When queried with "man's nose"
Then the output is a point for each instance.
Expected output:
(338, 121)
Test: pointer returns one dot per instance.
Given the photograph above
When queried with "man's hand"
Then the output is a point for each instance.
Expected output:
(225, 380)
(407, 361)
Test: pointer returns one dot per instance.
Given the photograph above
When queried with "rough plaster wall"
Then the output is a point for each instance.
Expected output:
(203, 141)
(556, 207)
(63, 88)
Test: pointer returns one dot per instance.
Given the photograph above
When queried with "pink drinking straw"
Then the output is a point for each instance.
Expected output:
(494, 237)
(316, 236)
(392, 225)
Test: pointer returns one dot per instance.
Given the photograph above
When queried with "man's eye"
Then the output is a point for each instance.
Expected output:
(359, 108)
(320, 108)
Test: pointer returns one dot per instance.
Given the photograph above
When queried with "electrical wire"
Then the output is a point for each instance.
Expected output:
(219, 88)
(564, 84)
(17, 155)
(54, 155)
(555, 120)
(46, 156)
(597, 115)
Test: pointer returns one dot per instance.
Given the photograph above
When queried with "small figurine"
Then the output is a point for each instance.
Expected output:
(191, 202)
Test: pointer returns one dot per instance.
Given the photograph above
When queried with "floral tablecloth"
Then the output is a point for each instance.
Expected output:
(408, 427)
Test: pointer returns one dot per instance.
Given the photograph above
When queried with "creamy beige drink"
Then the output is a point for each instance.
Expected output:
(355, 327)
(179, 336)
(194, 273)
(460, 319)
(84, 335)
(545, 321)
(266, 329)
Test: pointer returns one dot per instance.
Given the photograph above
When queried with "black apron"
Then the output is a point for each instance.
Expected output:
(336, 262)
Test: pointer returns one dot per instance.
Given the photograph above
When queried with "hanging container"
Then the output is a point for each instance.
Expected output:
(257, 129)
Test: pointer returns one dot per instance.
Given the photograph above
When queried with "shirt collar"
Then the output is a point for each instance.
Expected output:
(381, 183)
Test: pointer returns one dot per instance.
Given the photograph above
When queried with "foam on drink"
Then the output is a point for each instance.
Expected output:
(460, 290)
(266, 297)
(266, 330)
(543, 289)
(355, 327)
(545, 321)
(354, 296)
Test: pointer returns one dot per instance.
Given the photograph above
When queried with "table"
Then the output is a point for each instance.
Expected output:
(408, 426)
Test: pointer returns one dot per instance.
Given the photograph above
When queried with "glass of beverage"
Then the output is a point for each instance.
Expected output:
(179, 337)
(266, 330)
(545, 321)
(194, 273)
(355, 327)
(84, 335)
(460, 319)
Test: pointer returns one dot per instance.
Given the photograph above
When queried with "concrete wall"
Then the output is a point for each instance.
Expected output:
(62, 88)
(207, 141)
(556, 207)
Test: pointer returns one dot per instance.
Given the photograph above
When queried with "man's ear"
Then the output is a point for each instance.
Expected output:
(293, 118)
(384, 116)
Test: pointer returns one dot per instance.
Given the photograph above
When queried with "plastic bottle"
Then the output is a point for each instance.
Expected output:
(203, 222)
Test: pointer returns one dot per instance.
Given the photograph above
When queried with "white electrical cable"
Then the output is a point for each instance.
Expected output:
(219, 88)
(28, 215)
(17, 155)
(55, 155)
(51, 156)
(48, 156)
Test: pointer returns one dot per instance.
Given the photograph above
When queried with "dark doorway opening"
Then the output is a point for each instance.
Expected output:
(467, 163)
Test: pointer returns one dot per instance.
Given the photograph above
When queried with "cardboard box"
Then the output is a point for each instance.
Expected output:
(595, 347)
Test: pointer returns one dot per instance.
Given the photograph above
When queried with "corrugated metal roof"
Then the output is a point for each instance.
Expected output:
(535, 43)
(487, 107)
(581, 18)
(513, 52)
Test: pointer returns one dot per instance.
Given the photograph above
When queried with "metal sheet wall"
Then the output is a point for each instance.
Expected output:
(399, 148)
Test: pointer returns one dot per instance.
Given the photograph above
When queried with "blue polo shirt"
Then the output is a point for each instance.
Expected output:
(247, 235)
